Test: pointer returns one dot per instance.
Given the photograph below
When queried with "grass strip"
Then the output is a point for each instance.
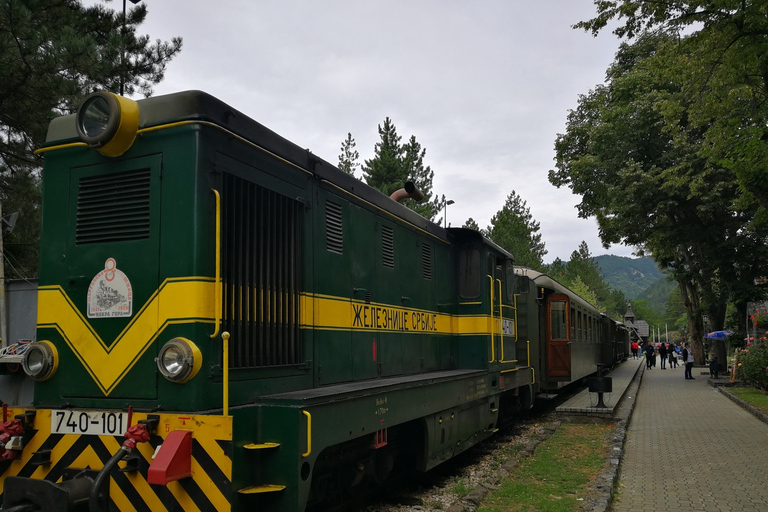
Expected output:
(752, 396)
(557, 476)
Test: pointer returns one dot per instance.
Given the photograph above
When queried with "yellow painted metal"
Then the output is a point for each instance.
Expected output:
(309, 434)
(177, 300)
(126, 129)
(261, 446)
(217, 296)
(225, 367)
(261, 489)
(493, 342)
(207, 430)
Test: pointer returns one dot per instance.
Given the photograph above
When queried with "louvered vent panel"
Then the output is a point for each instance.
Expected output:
(388, 246)
(113, 208)
(334, 240)
(261, 272)
(426, 260)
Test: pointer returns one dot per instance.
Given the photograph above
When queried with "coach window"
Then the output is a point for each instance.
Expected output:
(573, 324)
(469, 274)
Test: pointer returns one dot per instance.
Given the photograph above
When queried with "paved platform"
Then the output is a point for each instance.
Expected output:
(584, 404)
(689, 448)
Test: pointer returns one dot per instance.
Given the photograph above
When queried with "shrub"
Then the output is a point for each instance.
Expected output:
(753, 364)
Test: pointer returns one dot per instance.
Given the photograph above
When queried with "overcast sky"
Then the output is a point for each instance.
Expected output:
(484, 85)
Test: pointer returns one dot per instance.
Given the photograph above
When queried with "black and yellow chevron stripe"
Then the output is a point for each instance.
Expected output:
(209, 488)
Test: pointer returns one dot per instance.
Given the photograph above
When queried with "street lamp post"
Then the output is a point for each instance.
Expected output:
(122, 51)
(445, 212)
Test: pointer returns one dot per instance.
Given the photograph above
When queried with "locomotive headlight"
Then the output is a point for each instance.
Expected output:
(40, 360)
(108, 122)
(179, 360)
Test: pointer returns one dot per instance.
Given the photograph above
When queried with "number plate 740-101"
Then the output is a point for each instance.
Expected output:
(99, 423)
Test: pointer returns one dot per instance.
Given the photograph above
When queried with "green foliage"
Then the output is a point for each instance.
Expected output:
(752, 396)
(556, 477)
(514, 228)
(394, 163)
(644, 312)
(349, 155)
(54, 52)
(657, 294)
(583, 291)
(630, 275)
(753, 364)
(640, 152)
(472, 224)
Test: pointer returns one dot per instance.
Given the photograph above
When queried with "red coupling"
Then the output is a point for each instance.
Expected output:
(8, 430)
(136, 434)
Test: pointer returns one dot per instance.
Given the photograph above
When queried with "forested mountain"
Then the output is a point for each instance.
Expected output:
(632, 276)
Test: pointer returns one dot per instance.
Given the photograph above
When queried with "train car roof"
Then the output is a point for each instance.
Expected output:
(544, 280)
(201, 106)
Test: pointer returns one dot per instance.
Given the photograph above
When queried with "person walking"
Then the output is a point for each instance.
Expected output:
(649, 355)
(635, 348)
(672, 356)
(688, 360)
(663, 354)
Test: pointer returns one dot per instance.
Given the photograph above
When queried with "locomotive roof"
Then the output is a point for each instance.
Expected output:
(201, 106)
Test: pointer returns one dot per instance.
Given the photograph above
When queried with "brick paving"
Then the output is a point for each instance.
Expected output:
(690, 448)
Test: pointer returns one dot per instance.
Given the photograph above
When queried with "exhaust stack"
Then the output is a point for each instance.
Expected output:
(408, 191)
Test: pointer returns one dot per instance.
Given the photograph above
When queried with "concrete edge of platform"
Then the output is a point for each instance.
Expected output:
(592, 414)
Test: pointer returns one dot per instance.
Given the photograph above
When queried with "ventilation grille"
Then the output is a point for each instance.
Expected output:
(388, 246)
(261, 273)
(334, 239)
(113, 208)
(426, 260)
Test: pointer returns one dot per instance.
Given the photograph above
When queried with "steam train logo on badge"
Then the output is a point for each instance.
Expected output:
(110, 294)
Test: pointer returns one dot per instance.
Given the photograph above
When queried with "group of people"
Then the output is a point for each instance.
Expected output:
(665, 352)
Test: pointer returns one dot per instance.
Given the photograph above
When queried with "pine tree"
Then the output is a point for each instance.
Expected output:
(54, 52)
(414, 170)
(514, 228)
(393, 164)
(384, 171)
(349, 155)
(472, 224)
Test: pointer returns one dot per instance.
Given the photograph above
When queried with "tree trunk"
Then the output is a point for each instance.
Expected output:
(690, 298)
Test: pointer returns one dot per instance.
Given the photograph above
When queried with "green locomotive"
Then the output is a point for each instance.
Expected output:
(228, 322)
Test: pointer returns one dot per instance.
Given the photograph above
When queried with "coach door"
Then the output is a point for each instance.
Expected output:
(558, 338)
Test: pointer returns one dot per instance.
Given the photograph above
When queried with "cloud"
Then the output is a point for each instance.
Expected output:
(484, 86)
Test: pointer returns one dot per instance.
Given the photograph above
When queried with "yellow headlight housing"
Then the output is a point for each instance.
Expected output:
(108, 122)
(179, 360)
(40, 360)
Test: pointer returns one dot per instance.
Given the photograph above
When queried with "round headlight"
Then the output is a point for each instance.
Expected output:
(179, 360)
(40, 360)
(96, 121)
(108, 122)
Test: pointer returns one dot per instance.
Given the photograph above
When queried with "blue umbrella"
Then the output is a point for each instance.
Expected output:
(718, 335)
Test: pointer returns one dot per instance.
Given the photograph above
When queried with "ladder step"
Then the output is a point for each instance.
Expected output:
(261, 446)
(259, 489)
